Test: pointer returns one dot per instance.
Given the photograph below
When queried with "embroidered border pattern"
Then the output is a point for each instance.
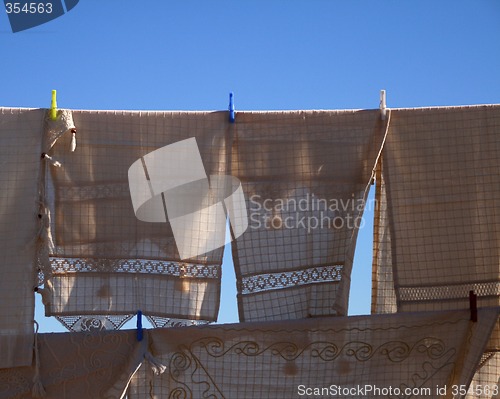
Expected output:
(280, 280)
(144, 266)
(97, 191)
(186, 367)
(459, 291)
(93, 323)
(168, 322)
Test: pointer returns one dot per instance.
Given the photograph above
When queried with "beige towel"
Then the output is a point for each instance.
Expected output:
(304, 175)
(103, 259)
(21, 133)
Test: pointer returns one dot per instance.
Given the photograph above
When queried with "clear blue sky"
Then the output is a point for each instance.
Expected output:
(188, 55)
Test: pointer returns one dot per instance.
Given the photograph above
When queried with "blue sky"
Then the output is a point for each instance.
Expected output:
(274, 55)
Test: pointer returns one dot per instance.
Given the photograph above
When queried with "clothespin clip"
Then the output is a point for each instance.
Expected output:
(473, 306)
(139, 326)
(53, 161)
(383, 105)
(231, 108)
(53, 106)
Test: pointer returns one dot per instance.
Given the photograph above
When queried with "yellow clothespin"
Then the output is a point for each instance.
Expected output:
(53, 106)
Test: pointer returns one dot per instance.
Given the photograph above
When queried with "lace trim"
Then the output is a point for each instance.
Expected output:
(95, 191)
(275, 281)
(93, 323)
(145, 266)
(460, 291)
(165, 322)
(55, 129)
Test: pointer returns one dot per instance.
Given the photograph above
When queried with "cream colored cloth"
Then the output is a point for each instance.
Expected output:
(437, 225)
(441, 172)
(282, 359)
(274, 360)
(21, 133)
(304, 175)
(79, 365)
(103, 259)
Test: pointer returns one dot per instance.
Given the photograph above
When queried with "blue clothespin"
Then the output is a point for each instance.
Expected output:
(139, 326)
(231, 108)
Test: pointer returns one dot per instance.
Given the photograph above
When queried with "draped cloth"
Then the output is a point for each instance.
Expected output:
(442, 182)
(304, 175)
(21, 133)
(412, 353)
(437, 224)
(79, 365)
(104, 259)
(275, 360)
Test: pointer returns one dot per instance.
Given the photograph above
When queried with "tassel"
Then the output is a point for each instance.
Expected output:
(157, 366)
(73, 140)
(51, 160)
(38, 391)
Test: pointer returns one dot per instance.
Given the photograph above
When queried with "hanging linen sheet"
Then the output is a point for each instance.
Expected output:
(304, 175)
(111, 250)
(409, 355)
(21, 133)
(79, 365)
(437, 222)
(439, 231)
(442, 182)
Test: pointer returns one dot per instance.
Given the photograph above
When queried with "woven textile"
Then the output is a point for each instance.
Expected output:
(486, 381)
(304, 175)
(283, 359)
(437, 225)
(103, 258)
(79, 365)
(21, 133)
(409, 354)
(439, 231)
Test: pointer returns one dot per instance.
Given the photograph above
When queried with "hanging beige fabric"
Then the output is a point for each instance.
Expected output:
(21, 134)
(408, 355)
(383, 293)
(437, 225)
(486, 381)
(442, 182)
(304, 175)
(106, 257)
(78, 365)
(399, 355)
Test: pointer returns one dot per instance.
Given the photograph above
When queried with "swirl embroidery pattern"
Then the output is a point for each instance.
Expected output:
(405, 352)
(189, 364)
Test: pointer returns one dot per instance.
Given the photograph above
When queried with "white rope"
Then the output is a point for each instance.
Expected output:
(377, 159)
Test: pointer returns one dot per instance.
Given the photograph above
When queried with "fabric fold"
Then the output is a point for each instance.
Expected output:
(21, 134)
(79, 365)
